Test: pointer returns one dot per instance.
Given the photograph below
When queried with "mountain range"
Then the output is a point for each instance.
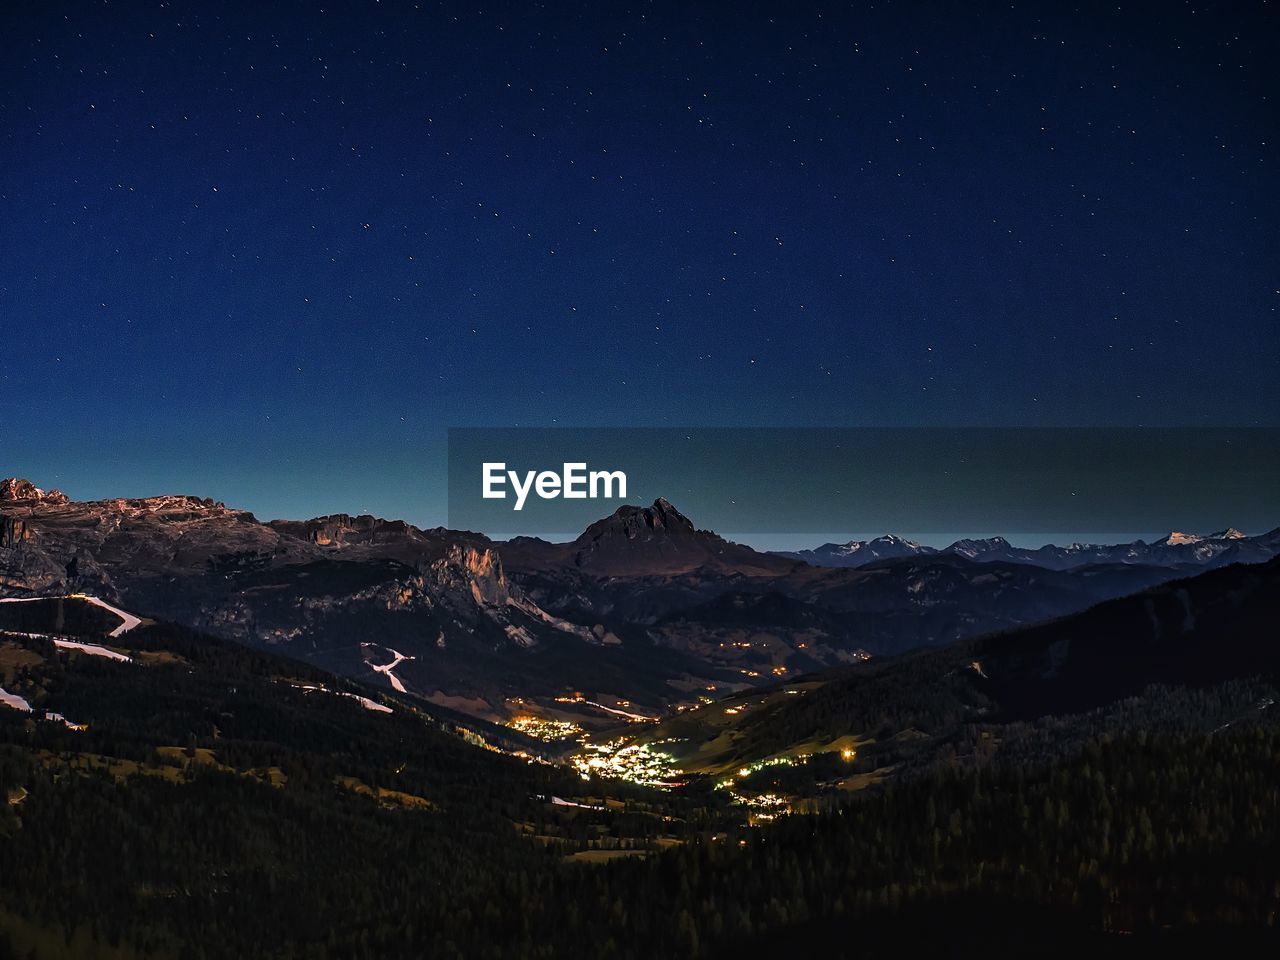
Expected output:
(1176, 550)
(642, 613)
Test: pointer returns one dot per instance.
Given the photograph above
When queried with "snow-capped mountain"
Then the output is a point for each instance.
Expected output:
(857, 553)
(989, 548)
(1178, 548)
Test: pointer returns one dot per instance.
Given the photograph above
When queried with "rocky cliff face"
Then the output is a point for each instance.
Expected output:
(13, 531)
(115, 543)
(363, 535)
(477, 571)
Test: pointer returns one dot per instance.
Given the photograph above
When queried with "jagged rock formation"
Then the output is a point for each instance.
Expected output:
(15, 490)
(476, 570)
(13, 531)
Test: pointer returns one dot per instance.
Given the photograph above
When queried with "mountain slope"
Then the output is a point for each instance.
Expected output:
(1214, 628)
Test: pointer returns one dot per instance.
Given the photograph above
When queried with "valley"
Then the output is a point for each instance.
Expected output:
(258, 745)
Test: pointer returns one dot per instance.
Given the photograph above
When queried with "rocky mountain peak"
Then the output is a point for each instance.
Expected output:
(641, 523)
(973, 548)
(664, 515)
(16, 489)
(895, 540)
(1231, 533)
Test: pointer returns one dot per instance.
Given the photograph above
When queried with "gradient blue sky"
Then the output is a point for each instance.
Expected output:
(268, 254)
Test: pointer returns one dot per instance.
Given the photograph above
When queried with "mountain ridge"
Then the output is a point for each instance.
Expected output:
(1225, 546)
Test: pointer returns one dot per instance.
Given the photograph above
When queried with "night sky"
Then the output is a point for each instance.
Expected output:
(269, 253)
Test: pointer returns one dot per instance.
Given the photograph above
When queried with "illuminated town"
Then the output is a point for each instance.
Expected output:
(749, 769)
(636, 763)
(542, 728)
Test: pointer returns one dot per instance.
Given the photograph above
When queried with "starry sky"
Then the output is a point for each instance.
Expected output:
(270, 252)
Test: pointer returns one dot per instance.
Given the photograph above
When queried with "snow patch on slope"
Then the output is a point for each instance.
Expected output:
(92, 649)
(363, 701)
(14, 701)
(388, 669)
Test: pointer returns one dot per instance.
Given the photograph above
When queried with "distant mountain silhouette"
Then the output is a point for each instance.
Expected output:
(1177, 549)
(645, 541)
